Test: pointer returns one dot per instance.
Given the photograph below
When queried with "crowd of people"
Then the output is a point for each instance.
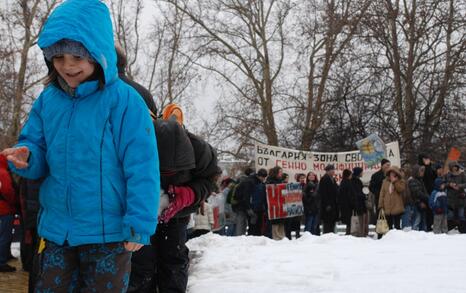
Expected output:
(93, 161)
(423, 197)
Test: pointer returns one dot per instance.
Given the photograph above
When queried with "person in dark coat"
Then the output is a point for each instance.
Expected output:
(328, 193)
(311, 203)
(167, 257)
(251, 202)
(429, 177)
(346, 197)
(359, 203)
(145, 94)
(456, 193)
(377, 180)
(29, 199)
(420, 198)
(258, 205)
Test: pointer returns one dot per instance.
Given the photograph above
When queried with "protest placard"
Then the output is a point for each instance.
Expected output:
(284, 200)
(372, 149)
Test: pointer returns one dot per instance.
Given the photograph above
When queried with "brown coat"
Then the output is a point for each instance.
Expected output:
(392, 203)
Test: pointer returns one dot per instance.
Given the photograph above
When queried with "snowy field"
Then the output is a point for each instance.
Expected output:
(400, 262)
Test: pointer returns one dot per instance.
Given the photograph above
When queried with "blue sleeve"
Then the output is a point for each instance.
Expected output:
(137, 150)
(32, 137)
(431, 200)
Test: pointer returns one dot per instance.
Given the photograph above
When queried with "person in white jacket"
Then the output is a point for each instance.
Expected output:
(203, 220)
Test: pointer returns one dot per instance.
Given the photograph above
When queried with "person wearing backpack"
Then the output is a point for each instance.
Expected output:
(439, 204)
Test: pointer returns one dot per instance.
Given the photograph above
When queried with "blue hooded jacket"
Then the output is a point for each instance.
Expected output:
(438, 198)
(97, 149)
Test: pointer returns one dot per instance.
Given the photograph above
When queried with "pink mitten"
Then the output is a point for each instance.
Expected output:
(181, 198)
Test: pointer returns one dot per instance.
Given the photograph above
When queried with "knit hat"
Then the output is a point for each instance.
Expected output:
(357, 171)
(384, 161)
(438, 183)
(66, 46)
(329, 167)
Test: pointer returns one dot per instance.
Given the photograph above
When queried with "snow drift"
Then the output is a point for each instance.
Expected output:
(400, 262)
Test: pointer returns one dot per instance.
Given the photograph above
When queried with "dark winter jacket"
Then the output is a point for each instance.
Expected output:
(456, 197)
(250, 194)
(145, 94)
(259, 197)
(375, 184)
(176, 153)
(7, 193)
(202, 176)
(418, 191)
(311, 200)
(328, 193)
(29, 197)
(346, 197)
(359, 203)
(429, 175)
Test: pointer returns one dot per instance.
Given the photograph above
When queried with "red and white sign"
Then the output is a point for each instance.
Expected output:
(284, 200)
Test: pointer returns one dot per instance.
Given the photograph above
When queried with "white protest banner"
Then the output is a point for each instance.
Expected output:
(294, 162)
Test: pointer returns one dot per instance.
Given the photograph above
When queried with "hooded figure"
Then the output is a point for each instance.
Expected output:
(456, 185)
(391, 194)
(94, 144)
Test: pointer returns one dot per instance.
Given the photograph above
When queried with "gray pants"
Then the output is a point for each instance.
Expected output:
(440, 224)
(241, 223)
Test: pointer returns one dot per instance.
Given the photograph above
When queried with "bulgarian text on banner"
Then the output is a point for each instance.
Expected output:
(295, 162)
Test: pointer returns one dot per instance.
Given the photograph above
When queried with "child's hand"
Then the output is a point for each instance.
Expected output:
(133, 246)
(18, 156)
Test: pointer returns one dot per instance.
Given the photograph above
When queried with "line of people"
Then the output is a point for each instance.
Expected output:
(420, 198)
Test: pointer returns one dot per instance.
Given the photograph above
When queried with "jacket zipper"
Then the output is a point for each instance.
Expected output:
(67, 196)
(101, 180)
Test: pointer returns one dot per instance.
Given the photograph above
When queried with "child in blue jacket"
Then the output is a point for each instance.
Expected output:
(90, 135)
(439, 204)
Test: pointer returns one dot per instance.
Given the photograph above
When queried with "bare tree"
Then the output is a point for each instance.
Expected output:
(127, 27)
(424, 49)
(21, 22)
(172, 57)
(157, 56)
(243, 43)
(325, 29)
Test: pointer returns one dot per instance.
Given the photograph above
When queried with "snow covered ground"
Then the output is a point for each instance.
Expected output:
(400, 262)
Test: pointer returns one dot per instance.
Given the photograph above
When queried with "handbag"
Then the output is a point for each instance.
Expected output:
(355, 225)
(382, 225)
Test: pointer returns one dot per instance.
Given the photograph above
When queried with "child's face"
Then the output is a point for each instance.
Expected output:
(73, 69)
